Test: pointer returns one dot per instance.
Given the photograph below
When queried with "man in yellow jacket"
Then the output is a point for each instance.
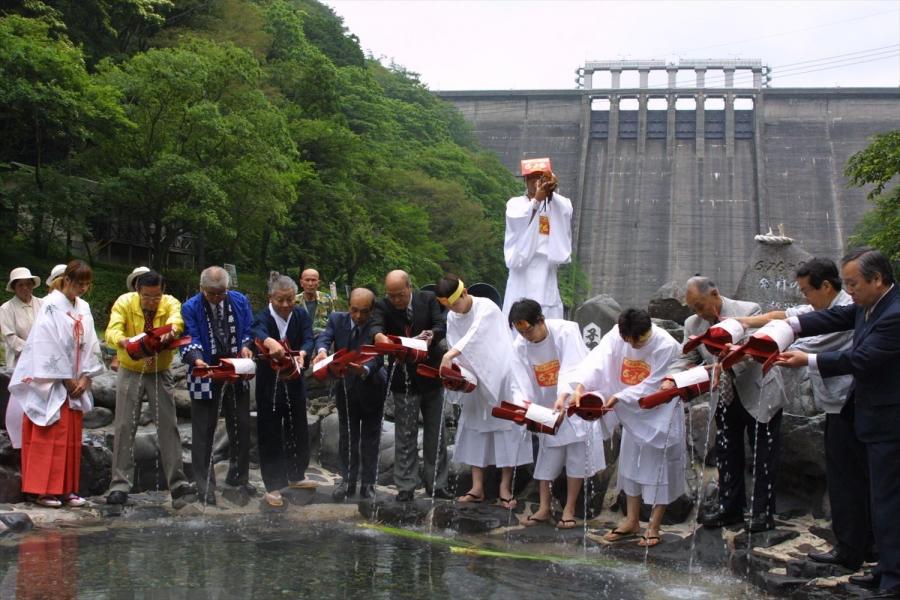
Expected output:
(132, 314)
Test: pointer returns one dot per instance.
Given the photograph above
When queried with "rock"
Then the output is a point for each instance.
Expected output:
(98, 417)
(810, 569)
(601, 310)
(769, 280)
(236, 495)
(299, 497)
(16, 522)
(706, 546)
(801, 472)
(103, 388)
(9, 456)
(328, 448)
(701, 434)
(10, 485)
(764, 539)
(96, 466)
(471, 518)
(669, 309)
(670, 327)
(390, 512)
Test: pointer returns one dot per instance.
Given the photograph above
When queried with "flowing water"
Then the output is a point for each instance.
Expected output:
(276, 557)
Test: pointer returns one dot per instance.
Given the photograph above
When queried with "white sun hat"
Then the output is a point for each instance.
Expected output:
(21, 273)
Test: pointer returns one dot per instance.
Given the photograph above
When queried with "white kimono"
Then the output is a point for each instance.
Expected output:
(540, 369)
(536, 242)
(49, 357)
(483, 338)
(652, 454)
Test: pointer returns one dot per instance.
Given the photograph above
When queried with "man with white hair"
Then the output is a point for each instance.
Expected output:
(218, 321)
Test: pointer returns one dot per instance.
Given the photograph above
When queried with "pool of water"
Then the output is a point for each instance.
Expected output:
(266, 557)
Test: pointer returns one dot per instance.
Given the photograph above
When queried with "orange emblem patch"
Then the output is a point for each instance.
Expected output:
(547, 374)
(544, 225)
(634, 371)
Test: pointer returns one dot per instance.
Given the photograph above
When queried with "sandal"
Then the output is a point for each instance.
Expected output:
(567, 524)
(648, 541)
(49, 501)
(306, 484)
(619, 535)
(507, 503)
(74, 500)
(475, 499)
(530, 521)
(274, 499)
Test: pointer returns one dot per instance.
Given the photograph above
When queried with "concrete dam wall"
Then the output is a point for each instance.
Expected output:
(662, 194)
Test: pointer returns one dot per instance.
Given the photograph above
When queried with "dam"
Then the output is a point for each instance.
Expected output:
(674, 178)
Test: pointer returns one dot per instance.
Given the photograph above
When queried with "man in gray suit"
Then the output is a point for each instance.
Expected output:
(748, 401)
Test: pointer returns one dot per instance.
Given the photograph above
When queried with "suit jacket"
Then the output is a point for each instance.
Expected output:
(762, 396)
(300, 337)
(427, 314)
(873, 360)
(369, 389)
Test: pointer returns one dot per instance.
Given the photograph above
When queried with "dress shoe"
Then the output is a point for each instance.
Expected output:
(835, 557)
(721, 519)
(249, 489)
(209, 498)
(343, 490)
(405, 496)
(367, 490)
(760, 523)
(183, 495)
(117, 497)
(442, 494)
(869, 580)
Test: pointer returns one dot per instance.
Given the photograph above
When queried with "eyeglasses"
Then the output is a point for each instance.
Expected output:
(215, 293)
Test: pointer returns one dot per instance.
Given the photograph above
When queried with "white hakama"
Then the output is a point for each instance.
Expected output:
(652, 451)
(540, 369)
(537, 240)
(483, 338)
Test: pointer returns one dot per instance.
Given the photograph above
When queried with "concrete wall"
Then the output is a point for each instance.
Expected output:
(657, 210)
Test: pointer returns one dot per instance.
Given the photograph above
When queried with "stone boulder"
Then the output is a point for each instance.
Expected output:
(801, 472)
(15, 522)
(5, 376)
(603, 312)
(328, 448)
(768, 279)
(669, 309)
(98, 417)
(96, 465)
(10, 485)
(469, 518)
(103, 388)
(671, 327)
(390, 512)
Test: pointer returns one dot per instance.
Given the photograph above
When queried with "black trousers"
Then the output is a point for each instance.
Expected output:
(884, 471)
(847, 476)
(359, 435)
(234, 400)
(732, 421)
(283, 434)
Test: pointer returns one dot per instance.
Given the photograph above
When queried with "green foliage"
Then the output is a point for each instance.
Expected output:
(877, 165)
(259, 128)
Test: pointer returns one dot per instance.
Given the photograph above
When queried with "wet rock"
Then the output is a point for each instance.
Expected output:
(471, 518)
(601, 310)
(10, 485)
(15, 522)
(708, 547)
(96, 466)
(701, 434)
(299, 497)
(390, 512)
(9, 456)
(98, 417)
(810, 569)
(328, 448)
(103, 388)
(801, 473)
(777, 584)
(236, 495)
(764, 539)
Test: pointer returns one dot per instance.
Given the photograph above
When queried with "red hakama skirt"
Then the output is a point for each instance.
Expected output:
(51, 456)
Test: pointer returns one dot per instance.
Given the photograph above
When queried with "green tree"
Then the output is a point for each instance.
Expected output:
(877, 165)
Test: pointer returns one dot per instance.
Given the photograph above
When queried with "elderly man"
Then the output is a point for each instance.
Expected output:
(538, 239)
(748, 401)
(17, 314)
(872, 360)
(218, 321)
(132, 314)
(317, 304)
(281, 405)
(360, 397)
(845, 456)
(415, 314)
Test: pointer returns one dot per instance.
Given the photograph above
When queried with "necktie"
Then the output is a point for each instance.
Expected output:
(148, 320)
(354, 338)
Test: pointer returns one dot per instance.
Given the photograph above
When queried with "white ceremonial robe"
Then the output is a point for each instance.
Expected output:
(652, 453)
(536, 242)
(16, 321)
(541, 369)
(48, 358)
(483, 338)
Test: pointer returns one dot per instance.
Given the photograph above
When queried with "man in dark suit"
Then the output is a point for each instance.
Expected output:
(415, 314)
(281, 405)
(873, 361)
(360, 397)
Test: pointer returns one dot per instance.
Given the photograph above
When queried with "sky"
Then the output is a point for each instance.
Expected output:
(538, 44)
